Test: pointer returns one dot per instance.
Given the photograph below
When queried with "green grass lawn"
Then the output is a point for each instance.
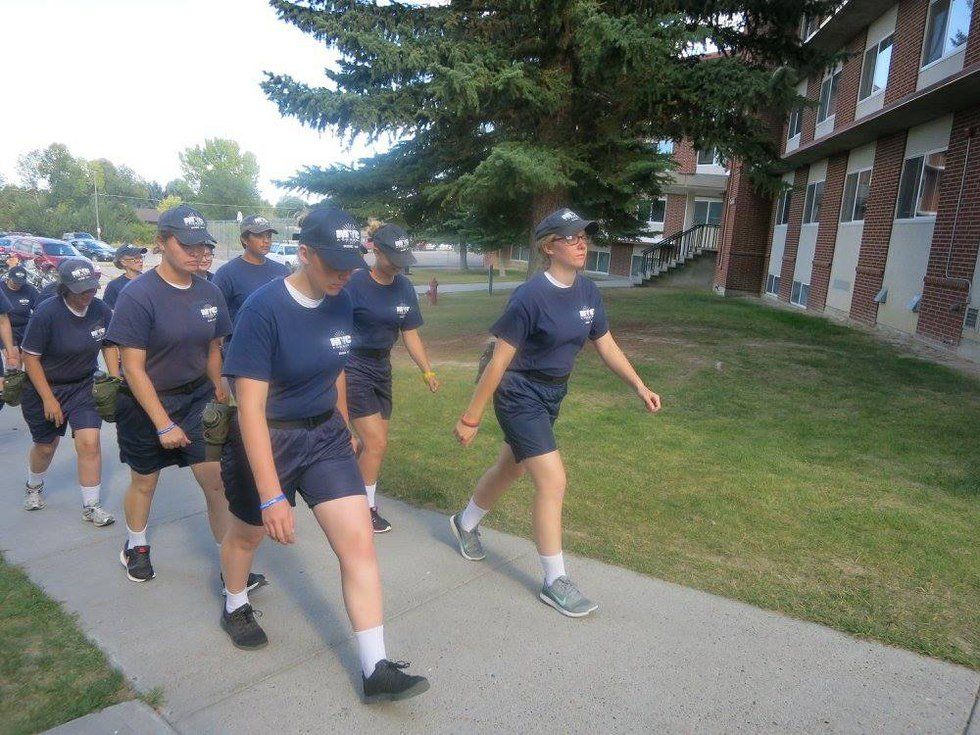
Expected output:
(797, 464)
(49, 672)
(422, 276)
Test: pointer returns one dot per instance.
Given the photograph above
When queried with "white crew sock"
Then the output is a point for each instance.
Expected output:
(472, 516)
(371, 490)
(35, 478)
(136, 538)
(234, 600)
(371, 648)
(554, 567)
(90, 495)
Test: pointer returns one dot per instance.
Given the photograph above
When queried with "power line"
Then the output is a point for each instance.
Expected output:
(208, 204)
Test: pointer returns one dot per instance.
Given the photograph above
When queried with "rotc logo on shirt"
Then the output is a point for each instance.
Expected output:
(98, 334)
(24, 302)
(402, 310)
(209, 313)
(587, 315)
(340, 343)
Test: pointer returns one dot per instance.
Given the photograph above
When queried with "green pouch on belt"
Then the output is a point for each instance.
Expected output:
(105, 391)
(216, 422)
(13, 386)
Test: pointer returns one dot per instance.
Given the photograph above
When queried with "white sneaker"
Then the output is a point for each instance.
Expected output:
(97, 515)
(33, 499)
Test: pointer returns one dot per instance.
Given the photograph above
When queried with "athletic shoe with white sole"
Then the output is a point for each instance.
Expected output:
(565, 597)
(379, 524)
(255, 580)
(137, 563)
(470, 545)
(389, 683)
(242, 628)
(97, 515)
(32, 497)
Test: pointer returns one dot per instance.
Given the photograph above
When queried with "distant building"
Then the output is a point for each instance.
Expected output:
(149, 215)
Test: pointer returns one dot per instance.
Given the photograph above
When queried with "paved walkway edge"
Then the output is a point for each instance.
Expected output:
(128, 718)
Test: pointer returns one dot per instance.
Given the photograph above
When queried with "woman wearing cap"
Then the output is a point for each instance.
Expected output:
(546, 323)
(22, 297)
(61, 349)
(286, 360)
(239, 277)
(130, 259)
(168, 324)
(385, 305)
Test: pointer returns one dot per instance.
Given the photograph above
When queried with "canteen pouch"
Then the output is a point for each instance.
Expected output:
(485, 358)
(13, 386)
(105, 391)
(216, 422)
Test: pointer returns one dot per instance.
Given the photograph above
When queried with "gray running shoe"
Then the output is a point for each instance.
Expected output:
(470, 545)
(565, 597)
(33, 499)
(97, 515)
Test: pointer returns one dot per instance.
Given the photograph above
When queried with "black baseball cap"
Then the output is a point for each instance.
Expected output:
(126, 251)
(563, 222)
(395, 243)
(17, 274)
(78, 274)
(336, 237)
(187, 225)
(256, 224)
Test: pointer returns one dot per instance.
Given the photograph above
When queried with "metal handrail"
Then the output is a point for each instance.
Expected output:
(679, 246)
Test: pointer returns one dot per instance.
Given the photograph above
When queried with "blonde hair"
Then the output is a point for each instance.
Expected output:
(373, 225)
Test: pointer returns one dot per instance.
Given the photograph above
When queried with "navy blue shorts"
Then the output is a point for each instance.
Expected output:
(317, 463)
(77, 406)
(139, 445)
(526, 411)
(368, 386)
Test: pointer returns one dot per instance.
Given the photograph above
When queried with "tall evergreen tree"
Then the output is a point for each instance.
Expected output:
(506, 110)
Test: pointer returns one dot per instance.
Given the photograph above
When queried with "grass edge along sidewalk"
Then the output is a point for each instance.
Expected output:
(798, 465)
(50, 673)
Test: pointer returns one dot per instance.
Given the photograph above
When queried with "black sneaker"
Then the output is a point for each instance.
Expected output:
(137, 563)
(388, 683)
(255, 581)
(380, 524)
(241, 627)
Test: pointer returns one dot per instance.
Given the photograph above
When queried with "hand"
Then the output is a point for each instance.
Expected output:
(52, 411)
(13, 358)
(651, 401)
(465, 434)
(174, 439)
(432, 381)
(279, 523)
(221, 392)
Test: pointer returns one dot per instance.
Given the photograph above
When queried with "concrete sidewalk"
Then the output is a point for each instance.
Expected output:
(656, 658)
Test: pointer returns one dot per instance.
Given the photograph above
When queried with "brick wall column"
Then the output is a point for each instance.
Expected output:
(685, 156)
(823, 255)
(910, 28)
(973, 42)
(878, 220)
(745, 235)
(850, 82)
(793, 233)
(944, 294)
(620, 256)
(809, 113)
(674, 214)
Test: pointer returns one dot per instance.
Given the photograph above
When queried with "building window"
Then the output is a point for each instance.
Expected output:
(811, 205)
(874, 75)
(665, 147)
(707, 212)
(857, 187)
(520, 253)
(828, 93)
(636, 265)
(709, 157)
(782, 207)
(772, 284)
(811, 24)
(652, 211)
(918, 192)
(597, 261)
(795, 125)
(801, 293)
(947, 28)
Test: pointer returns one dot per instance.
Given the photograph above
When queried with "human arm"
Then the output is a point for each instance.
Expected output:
(214, 371)
(134, 365)
(469, 422)
(52, 408)
(111, 355)
(416, 349)
(10, 350)
(616, 361)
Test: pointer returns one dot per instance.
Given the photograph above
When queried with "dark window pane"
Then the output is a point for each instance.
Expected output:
(658, 208)
(908, 187)
(935, 31)
(863, 192)
(868, 72)
(850, 192)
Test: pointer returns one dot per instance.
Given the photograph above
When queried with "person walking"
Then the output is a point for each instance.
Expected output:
(385, 306)
(286, 361)
(130, 259)
(60, 351)
(22, 297)
(240, 276)
(546, 323)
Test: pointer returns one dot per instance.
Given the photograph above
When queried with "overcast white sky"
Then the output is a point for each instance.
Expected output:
(97, 75)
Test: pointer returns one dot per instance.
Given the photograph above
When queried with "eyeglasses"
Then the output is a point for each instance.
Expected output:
(570, 239)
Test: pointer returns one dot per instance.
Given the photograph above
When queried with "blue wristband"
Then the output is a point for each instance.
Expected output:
(269, 503)
(166, 429)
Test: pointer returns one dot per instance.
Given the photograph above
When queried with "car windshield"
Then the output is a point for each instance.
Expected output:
(59, 248)
(290, 249)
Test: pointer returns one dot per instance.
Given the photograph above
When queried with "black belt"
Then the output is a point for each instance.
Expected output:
(540, 377)
(175, 391)
(366, 352)
(309, 423)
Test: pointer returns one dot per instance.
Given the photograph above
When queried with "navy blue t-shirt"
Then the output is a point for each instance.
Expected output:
(22, 303)
(380, 311)
(67, 343)
(175, 326)
(238, 279)
(112, 289)
(298, 350)
(46, 293)
(549, 325)
(5, 305)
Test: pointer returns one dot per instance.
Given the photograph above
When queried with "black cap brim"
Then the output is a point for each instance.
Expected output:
(192, 237)
(341, 259)
(398, 258)
(89, 284)
(258, 230)
(573, 227)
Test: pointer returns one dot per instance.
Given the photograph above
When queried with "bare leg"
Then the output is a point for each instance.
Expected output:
(548, 475)
(498, 479)
(237, 552)
(89, 453)
(138, 498)
(40, 456)
(208, 476)
(373, 431)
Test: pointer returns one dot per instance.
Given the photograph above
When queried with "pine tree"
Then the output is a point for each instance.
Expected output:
(505, 110)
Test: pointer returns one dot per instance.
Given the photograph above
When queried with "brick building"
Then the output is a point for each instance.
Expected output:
(880, 222)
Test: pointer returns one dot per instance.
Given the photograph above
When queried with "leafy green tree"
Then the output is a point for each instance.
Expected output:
(224, 179)
(169, 202)
(289, 205)
(504, 111)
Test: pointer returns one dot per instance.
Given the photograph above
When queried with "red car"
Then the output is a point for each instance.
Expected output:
(46, 252)
(14, 246)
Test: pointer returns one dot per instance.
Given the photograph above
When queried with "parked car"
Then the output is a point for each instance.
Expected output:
(46, 251)
(95, 249)
(12, 247)
(285, 253)
(69, 236)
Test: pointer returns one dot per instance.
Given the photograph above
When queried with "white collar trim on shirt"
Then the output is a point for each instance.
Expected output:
(556, 282)
(83, 312)
(177, 285)
(301, 298)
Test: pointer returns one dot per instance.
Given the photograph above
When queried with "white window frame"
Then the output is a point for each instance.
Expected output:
(855, 176)
(598, 254)
(831, 79)
(800, 294)
(862, 95)
(944, 54)
(709, 201)
(654, 221)
(809, 216)
(795, 122)
(772, 284)
(715, 157)
(633, 263)
(918, 187)
(782, 207)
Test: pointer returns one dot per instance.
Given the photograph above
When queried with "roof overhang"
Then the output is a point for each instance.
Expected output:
(698, 184)
(846, 22)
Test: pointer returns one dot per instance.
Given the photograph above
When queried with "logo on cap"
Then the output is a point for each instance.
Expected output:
(348, 239)
(401, 244)
(260, 221)
(569, 215)
(193, 221)
(587, 315)
(80, 273)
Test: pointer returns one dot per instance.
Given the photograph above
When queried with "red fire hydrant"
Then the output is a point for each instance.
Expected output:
(433, 292)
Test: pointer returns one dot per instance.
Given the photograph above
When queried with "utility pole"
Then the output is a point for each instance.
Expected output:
(98, 227)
